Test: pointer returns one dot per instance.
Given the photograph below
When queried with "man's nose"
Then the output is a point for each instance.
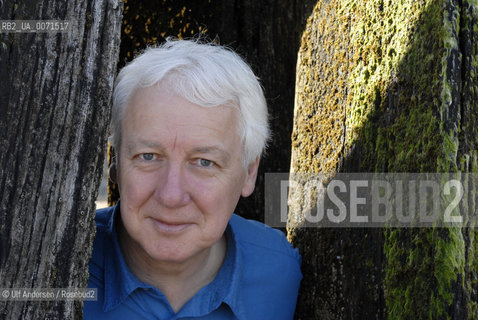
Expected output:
(171, 191)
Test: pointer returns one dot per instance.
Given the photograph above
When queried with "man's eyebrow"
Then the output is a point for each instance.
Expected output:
(130, 146)
(212, 149)
(202, 150)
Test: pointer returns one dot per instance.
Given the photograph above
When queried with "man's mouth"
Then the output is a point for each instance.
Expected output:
(170, 227)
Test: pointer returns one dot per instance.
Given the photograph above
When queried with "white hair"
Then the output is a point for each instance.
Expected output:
(206, 74)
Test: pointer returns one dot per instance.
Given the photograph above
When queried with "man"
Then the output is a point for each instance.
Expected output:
(189, 125)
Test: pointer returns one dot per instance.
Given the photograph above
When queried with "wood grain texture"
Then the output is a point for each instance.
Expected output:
(54, 111)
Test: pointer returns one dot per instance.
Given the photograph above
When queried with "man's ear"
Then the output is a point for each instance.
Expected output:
(112, 173)
(251, 176)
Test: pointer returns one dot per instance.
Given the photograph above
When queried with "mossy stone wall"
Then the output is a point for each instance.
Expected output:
(388, 86)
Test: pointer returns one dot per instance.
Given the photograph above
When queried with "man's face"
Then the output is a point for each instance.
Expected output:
(180, 174)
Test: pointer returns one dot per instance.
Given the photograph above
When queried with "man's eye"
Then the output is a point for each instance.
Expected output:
(205, 163)
(147, 156)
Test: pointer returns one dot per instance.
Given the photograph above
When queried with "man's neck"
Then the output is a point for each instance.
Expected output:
(179, 282)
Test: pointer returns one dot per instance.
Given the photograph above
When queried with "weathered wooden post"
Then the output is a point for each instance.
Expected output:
(388, 86)
(55, 96)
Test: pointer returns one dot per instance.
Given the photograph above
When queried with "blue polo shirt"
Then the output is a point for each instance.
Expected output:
(259, 278)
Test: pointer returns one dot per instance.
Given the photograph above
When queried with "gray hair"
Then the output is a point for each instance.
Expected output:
(206, 74)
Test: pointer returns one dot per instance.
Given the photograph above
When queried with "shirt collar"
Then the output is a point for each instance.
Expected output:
(226, 286)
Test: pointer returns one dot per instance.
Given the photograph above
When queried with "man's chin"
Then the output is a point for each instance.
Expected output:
(171, 256)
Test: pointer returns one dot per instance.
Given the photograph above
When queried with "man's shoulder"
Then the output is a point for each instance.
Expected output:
(270, 270)
(102, 239)
(102, 218)
(260, 237)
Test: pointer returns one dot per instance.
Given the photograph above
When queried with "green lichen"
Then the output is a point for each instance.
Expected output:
(404, 77)
(427, 276)
(400, 106)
